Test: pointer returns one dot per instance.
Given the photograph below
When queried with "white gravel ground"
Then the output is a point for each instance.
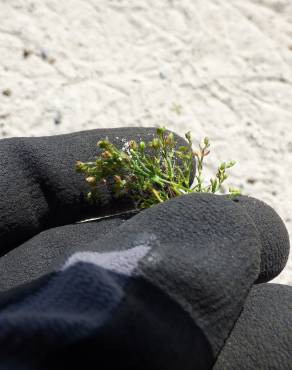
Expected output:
(220, 68)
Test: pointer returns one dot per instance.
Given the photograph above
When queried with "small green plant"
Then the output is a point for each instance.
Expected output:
(152, 172)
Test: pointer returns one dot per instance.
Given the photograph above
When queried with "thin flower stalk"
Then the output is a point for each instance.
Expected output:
(153, 172)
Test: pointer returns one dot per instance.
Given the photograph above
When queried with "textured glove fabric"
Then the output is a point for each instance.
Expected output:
(261, 338)
(171, 287)
(46, 252)
(273, 234)
(40, 188)
(186, 264)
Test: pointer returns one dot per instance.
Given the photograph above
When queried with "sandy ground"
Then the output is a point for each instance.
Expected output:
(220, 68)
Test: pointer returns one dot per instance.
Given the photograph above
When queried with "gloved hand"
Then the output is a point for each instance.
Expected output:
(172, 287)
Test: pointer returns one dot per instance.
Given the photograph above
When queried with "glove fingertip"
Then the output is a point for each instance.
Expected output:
(273, 235)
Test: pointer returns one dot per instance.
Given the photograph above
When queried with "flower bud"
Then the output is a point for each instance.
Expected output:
(133, 144)
(91, 180)
(230, 164)
(155, 143)
(106, 154)
(117, 179)
(160, 131)
(142, 146)
(188, 136)
(169, 140)
(222, 166)
(103, 144)
(79, 166)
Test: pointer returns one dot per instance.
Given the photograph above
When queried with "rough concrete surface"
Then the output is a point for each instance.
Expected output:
(220, 68)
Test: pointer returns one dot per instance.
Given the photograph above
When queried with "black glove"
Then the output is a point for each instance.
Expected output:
(41, 190)
(160, 290)
(261, 337)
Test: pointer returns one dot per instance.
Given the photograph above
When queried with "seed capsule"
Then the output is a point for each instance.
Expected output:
(117, 179)
(160, 131)
(103, 144)
(133, 144)
(79, 166)
(91, 180)
(155, 143)
(169, 140)
(106, 154)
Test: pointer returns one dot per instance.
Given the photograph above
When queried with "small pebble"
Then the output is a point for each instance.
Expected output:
(4, 116)
(58, 118)
(251, 181)
(45, 57)
(7, 92)
(51, 60)
(27, 53)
